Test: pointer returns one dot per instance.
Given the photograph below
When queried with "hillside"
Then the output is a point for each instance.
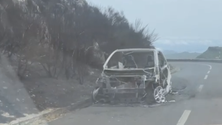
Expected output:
(61, 35)
(212, 53)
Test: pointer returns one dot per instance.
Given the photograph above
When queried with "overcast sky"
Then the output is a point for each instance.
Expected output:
(177, 19)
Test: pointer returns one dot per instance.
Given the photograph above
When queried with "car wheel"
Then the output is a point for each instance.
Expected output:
(159, 94)
(95, 93)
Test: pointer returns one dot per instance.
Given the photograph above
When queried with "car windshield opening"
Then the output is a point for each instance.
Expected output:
(131, 59)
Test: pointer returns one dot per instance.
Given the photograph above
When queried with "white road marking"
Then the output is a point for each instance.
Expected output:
(184, 117)
(205, 76)
(210, 67)
(208, 72)
(200, 88)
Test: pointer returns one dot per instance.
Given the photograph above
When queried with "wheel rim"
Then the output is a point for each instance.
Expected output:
(159, 95)
(94, 94)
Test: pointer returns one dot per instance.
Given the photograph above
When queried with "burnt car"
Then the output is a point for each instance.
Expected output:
(134, 75)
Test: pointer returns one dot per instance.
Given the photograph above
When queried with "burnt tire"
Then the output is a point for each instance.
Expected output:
(150, 94)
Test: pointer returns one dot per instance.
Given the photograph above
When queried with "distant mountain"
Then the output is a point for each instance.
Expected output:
(186, 45)
(212, 53)
(184, 48)
(182, 55)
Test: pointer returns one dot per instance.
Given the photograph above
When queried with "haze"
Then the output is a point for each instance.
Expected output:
(181, 20)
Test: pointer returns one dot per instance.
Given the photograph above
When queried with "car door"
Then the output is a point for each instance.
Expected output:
(165, 75)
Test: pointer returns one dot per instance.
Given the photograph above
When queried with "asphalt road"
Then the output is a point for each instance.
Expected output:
(199, 102)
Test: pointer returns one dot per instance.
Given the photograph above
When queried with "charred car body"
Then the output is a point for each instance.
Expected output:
(133, 75)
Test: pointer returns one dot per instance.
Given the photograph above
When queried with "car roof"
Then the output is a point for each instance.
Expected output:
(136, 49)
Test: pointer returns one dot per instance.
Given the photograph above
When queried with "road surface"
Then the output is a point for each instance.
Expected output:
(199, 102)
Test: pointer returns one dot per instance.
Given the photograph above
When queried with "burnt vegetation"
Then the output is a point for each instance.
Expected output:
(64, 37)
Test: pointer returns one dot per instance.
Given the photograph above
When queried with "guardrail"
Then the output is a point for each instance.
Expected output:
(195, 60)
